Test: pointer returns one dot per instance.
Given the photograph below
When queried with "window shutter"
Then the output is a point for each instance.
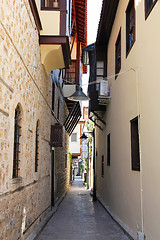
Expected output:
(56, 135)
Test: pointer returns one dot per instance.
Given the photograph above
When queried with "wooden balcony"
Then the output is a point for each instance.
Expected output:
(52, 18)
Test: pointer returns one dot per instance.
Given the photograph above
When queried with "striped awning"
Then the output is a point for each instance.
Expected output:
(73, 118)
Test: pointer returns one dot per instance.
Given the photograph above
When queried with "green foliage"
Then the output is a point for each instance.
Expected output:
(85, 164)
(81, 168)
(70, 158)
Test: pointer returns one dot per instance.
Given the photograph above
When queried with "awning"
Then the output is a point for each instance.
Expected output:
(73, 118)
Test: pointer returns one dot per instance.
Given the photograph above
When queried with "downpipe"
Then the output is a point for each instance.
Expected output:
(140, 235)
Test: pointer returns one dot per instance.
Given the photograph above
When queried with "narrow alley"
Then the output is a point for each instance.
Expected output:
(79, 218)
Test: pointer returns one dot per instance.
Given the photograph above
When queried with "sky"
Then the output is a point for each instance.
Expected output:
(93, 17)
(94, 10)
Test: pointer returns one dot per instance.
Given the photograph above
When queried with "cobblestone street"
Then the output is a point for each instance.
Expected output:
(79, 218)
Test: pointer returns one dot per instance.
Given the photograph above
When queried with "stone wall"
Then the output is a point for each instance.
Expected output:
(25, 200)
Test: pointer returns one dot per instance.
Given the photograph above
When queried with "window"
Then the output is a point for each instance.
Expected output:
(149, 4)
(108, 150)
(49, 4)
(17, 135)
(118, 54)
(74, 137)
(102, 166)
(53, 93)
(135, 145)
(130, 26)
(37, 147)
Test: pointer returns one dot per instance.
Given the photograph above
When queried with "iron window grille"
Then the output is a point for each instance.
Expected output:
(130, 26)
(49, 4)
(37, 147)
(149, 4)
(118, 54)
(17, 135)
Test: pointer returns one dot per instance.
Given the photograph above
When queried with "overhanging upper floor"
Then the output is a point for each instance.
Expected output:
(53, 21)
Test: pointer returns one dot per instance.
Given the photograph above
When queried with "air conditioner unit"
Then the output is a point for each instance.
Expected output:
(103, 90)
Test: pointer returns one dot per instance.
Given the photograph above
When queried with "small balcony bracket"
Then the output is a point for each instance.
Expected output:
(99, 118)
(94, 121)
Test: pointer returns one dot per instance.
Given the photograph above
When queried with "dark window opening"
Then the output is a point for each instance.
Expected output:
(66, 161)
(108, 150)
(118, 54)
(149, 4)
(17, 135)
(37, 148)
(58, 106)
(102, 166)
(49, 4)
(53, 95)
(135, 145)
(130, 26)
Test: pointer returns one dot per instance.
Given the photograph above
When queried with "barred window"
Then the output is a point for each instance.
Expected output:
(17, 135)
(37, 147)
(118, 54)
(130, 26)
(49, 4)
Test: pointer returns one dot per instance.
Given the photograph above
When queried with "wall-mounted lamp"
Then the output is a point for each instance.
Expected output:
(83, 136)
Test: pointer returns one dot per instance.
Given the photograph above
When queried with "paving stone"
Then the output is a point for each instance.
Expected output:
(79, 218)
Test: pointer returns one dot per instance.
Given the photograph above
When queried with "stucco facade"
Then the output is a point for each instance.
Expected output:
(25, 200)
(130, 195)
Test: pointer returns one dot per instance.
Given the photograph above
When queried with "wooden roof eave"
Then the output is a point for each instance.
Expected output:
(108, 13)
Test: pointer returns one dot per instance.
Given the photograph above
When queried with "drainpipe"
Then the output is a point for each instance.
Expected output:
(140, 234)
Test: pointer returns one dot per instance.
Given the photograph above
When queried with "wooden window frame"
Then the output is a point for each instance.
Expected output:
(148, 8)
(135, 154)
(17, 135)
(130, 26)
(118, 58)
(108, 149)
